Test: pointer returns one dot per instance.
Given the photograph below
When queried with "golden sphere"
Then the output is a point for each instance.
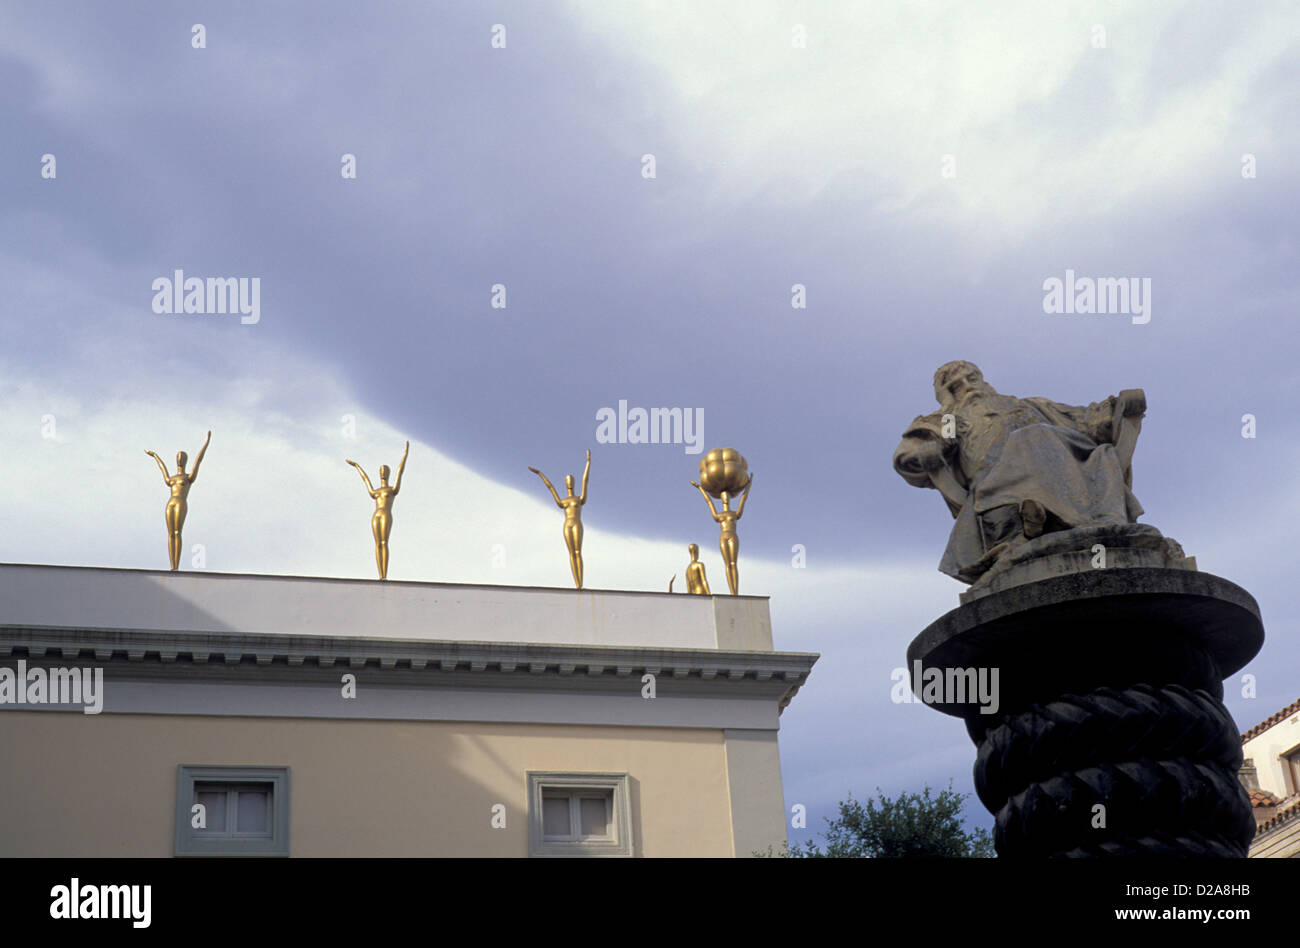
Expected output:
(724, 469)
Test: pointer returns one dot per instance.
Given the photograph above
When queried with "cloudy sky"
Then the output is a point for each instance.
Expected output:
(919, 168)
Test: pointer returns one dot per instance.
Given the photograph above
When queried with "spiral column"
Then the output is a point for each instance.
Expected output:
(1106, 734)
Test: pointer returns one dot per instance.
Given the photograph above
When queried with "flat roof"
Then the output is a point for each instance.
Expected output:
(39, 596)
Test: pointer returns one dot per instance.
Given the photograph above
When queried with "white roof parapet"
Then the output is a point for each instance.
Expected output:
(84, 598)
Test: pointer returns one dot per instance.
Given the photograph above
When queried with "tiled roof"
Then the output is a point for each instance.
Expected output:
(1262, 798)
(1277, 819)
(1263, 726)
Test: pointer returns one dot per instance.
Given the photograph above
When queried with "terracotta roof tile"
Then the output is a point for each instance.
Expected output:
(1276, 718)
(1277, 819)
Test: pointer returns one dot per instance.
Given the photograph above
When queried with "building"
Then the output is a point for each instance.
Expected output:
(151, 713)
(1271, 774)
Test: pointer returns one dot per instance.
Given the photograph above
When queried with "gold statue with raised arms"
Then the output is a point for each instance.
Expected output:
(724, 472)
(572, 507)
(180, 484)
(381, 524)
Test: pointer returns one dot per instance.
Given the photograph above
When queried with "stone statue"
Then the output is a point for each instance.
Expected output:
(381, 524)
(180, 484)
(1105, 649)
(1015, 469)
(572, 507)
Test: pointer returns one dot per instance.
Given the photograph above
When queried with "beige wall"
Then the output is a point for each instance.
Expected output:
(1267, 750)
(757, 800)
(105, 785)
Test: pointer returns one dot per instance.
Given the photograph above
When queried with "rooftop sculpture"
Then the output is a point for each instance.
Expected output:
(572, 507)
(180, 484)
(724, 473)
(381, 523)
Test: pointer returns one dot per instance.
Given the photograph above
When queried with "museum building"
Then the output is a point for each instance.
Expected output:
(155, 713)
(1271, 775)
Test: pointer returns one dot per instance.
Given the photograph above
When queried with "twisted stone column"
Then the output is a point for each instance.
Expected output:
(1108, 735)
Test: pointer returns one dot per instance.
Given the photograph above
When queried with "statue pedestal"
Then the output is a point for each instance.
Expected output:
(1114, 546)
(1109, 735)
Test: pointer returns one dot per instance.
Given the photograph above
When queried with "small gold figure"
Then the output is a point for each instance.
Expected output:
(572, 507)
(381, 524)
(180, 484)
(696, 582)
(728, 542)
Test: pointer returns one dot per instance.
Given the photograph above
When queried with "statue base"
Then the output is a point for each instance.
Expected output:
(1122, 546)
(1107, 735)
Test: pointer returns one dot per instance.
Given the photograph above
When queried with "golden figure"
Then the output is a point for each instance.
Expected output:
(381, 524)
(180, 484)
(572, 507)
(728, 542)
(696, 582)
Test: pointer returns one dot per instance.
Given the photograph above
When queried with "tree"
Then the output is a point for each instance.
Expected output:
(912, 824)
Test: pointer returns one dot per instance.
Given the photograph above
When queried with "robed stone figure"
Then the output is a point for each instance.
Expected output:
(1011, 469)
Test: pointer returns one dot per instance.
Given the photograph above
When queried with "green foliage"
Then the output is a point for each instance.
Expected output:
(909, 825)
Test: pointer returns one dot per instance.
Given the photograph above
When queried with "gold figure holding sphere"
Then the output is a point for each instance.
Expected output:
(180, 484)
(723, 473)
(381, 524)
(572, 507)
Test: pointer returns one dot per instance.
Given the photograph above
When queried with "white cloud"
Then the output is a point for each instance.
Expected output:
(1043, 126)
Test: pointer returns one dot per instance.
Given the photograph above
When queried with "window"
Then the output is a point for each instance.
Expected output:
(232, 811)
(571, 815)
(579, 815)
(1291, 763)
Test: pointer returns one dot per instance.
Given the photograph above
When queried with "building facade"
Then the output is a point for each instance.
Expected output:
(150, 713)
(1271, 774)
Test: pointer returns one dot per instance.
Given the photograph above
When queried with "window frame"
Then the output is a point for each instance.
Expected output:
(576, 786)
(192, 842)
(232, 791)
(574, 799)
(1291, 764)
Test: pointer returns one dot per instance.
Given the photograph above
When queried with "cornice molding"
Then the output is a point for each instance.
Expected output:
(179, 655)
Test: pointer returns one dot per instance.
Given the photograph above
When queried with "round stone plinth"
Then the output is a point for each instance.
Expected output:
(1101, 628)
(1095, 701)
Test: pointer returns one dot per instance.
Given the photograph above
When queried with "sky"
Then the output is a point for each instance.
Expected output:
(645, 185)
